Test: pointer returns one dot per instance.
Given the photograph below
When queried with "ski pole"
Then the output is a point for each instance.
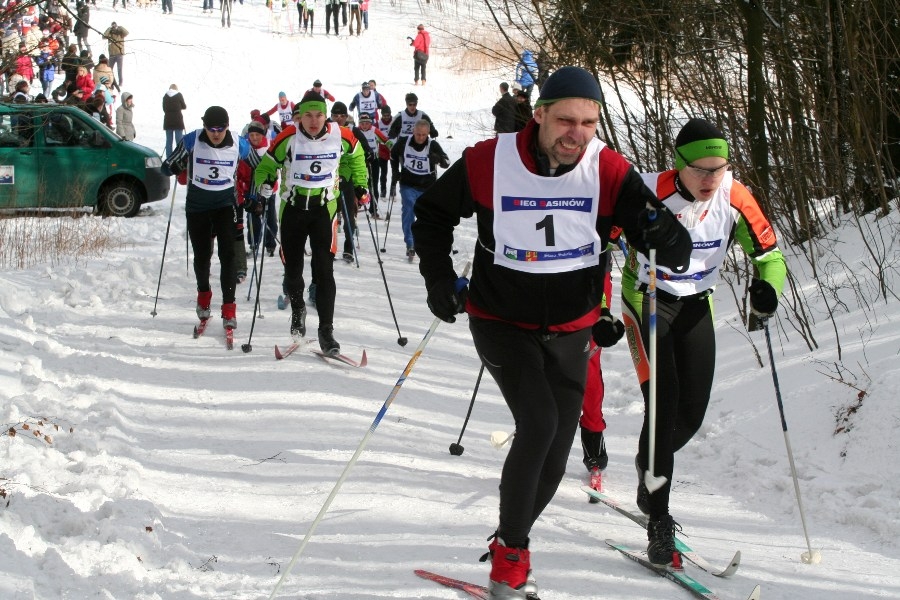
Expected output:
(165, 243)
(457, 448)
(248, 347)
(400, 339)
(652, 482)
(811, 556)
(388, 226)
(359, 449)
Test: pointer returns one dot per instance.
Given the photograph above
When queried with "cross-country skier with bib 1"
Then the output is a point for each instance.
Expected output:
(545, 199)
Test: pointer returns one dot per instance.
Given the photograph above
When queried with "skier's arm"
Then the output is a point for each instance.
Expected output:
(177, 161)
(354, 156)
(757, 238)
(394, 131)
(267, 169)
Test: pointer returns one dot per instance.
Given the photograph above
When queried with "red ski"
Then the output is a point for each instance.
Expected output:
(200, 329)
(474, 590)
(342, 358)
(282, 354)
(595, 483)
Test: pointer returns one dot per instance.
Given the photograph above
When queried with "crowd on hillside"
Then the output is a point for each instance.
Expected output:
(36, 50)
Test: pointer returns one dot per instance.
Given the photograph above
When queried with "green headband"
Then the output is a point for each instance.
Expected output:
(700, 149)
(305, 107)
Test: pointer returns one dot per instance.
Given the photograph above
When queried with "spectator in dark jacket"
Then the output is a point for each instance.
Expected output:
(504, 111)
(523, 110)
(173, 120)
(82, 26)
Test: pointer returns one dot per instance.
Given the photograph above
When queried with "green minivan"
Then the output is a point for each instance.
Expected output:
(56, 156)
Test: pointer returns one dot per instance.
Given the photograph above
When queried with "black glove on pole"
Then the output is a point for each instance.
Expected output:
(447, 298)
(763, 299)
(608, 330)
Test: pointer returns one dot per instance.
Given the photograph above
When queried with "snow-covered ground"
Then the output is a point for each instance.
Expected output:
(177, 470)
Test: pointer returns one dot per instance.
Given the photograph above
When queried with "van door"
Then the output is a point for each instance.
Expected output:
(18, 160)
(69, 161)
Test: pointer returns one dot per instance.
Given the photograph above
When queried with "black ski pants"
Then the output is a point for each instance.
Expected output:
(418, 66)
(317, 225)
(685, 365)
(347, 203)
(202, 227)
(380, 169)
(542, 380)
(331, 13)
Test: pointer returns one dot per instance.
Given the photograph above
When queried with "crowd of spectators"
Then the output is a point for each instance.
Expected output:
(36, 52)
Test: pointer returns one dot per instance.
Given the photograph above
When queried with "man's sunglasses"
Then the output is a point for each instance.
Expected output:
(216, 129)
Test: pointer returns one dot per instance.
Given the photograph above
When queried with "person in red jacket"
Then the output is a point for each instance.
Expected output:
(285, 110)
(84, 81)
(421, 50)
(259, 142)
(546, 199)
(317, 88)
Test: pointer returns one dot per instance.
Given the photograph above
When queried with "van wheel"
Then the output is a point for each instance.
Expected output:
(120, 199)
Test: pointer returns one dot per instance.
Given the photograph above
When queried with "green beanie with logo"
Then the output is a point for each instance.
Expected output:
(698, 139)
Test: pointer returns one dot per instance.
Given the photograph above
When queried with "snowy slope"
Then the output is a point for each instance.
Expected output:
(182, 471)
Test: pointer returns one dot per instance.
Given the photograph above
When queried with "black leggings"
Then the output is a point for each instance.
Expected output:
(331, 13)
(686, 362)
(542, 381)
(417, 66)
(296, 226)
(202, 228)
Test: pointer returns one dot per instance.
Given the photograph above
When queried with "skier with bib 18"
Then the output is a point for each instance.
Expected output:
(545, 200)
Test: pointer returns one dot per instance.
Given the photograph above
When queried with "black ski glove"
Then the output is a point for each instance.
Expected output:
(608, 330)
(254, 205)
(662, 231)
(447, 298)
(763, 299)
(660, 228)
(362, 195)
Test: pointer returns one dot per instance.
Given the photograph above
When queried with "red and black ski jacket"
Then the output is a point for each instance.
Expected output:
(558, 302)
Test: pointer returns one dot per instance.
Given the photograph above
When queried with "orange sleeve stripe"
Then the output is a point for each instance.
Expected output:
(757, 225)
(665, 184)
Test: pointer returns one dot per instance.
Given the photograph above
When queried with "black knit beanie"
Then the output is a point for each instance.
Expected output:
(698, 139)
(215, 116)
(569, 82)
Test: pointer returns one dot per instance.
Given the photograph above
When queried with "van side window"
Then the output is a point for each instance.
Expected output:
(16, 130)
(63, 130)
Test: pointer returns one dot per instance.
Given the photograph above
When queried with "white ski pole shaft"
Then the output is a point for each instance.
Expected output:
(811, 556)
(359, 449)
